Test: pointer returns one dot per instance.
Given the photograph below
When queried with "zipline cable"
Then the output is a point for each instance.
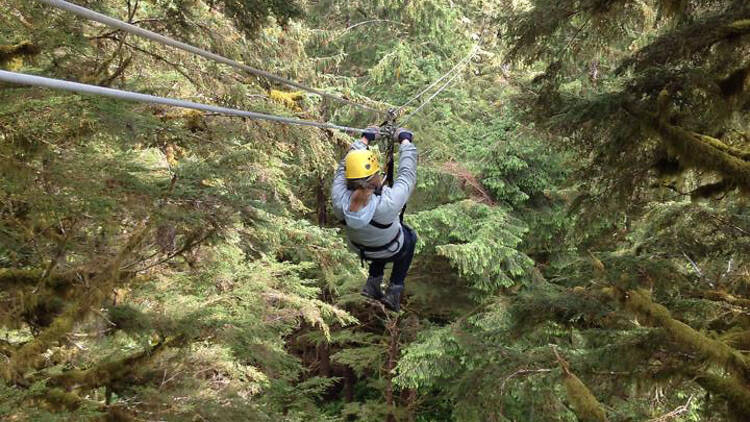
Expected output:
(58, 84)
(123, 26)
(441, 89)
(453, 69)
(407, 118)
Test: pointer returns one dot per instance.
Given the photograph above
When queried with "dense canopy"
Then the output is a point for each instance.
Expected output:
(582, 211)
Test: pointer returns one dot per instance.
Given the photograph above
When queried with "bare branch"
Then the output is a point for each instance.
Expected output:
(675, 413)
(697, 270)
(369, 22)
(729, 269)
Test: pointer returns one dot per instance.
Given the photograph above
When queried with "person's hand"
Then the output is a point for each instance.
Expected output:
(403, 135)
(370, 134)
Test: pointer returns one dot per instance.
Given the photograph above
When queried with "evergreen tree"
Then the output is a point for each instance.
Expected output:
(581, 209)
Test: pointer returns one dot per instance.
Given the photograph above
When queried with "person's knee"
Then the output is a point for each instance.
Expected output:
(412, 233)
(414, 239)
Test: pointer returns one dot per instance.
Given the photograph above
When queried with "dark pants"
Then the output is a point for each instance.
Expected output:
(401, 261)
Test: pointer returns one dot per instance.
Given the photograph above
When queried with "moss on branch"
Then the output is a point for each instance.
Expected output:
(718, 295)
(33, 298)
(639, 302)
(110, 371)
(12, 51)
(290, 100)
(12, 277)
(706, 153)
(587, 408)
(697, 150)
(30, 355)
(721, 146)
(731, 390)
(62, 400)
(740, 26)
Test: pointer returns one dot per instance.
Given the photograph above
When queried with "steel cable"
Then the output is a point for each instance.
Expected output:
(123, 26)
(413, 113)
(58, 84)
(432, 85)
(441, 89)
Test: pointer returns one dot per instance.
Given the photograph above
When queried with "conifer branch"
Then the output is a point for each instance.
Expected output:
(689, 40)
(191, 242)
(356, 25)
(160, 58)
(697, 269)
(729, 224)
(705, 191)
(520, 372)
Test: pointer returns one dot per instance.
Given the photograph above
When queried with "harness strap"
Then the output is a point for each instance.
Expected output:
(363, 249)
(374, 224)
(380, 225)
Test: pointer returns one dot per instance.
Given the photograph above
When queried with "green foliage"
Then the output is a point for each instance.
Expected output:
(477, 239)
(167, 264)
(250, 14)
(653, 191)
(154, 215)
(515, 165)
(430, 360)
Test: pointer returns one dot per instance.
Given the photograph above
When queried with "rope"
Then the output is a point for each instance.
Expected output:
(442, 88)
(23, 79)
(453, 69)
(123, 26)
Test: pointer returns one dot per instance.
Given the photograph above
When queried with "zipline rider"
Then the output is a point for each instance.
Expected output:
(371, 212)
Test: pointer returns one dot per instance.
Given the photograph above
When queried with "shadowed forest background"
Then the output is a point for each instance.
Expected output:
(582, 211)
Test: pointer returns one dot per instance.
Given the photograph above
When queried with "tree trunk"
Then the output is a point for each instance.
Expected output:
(324, 359)
(409, 398)
(349, 380)
(392, 327)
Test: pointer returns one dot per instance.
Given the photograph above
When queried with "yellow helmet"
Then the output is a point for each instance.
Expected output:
(361, 163)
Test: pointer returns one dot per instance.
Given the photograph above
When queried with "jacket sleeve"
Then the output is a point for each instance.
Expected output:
(338, 190)
(395, 198)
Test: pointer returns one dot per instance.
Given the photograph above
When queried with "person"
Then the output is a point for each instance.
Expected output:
(372, 211)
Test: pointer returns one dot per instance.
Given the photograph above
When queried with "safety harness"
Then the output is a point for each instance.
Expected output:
(363, 249)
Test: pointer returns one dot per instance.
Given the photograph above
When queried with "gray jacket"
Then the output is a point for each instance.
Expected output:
(384, 208)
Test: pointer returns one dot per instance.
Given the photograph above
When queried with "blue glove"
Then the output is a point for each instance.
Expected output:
(401, 133)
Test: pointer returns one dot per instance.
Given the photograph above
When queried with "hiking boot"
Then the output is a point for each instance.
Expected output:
(392, 298)
(372, 288)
